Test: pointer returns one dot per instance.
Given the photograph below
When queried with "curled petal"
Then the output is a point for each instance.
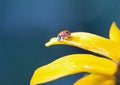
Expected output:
(114, 34)
(92, 43)
(72, 64)
(96, 79)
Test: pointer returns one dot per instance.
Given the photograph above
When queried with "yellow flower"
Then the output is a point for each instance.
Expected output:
(103, 69)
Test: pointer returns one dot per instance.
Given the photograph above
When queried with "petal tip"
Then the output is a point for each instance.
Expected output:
(50, 42)
(47, 44)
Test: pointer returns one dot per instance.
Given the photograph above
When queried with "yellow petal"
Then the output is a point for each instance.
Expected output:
(72, 64)
(92, 43)
(114, 34)
(109, 82)
(96, 79)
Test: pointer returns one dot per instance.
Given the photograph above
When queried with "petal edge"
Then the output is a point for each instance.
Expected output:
(96, 79)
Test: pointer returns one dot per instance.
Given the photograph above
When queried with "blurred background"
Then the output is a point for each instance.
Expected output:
(26, 25)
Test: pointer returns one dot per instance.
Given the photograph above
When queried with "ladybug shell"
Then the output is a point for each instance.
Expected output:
(64, 34)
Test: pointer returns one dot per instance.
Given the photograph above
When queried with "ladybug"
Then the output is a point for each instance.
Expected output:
(63, 35)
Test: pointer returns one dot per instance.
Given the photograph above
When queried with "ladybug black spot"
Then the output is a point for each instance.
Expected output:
(67, 32)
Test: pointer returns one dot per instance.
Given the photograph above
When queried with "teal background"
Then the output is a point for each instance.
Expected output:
(26, 25)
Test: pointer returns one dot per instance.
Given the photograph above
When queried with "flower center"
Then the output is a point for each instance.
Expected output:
(118, 75)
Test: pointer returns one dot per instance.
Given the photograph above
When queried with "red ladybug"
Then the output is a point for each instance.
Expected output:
(63, 35)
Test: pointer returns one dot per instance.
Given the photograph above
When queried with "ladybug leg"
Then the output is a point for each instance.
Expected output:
(62, 38)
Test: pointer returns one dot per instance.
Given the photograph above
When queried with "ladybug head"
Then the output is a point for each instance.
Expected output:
(59, 37)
